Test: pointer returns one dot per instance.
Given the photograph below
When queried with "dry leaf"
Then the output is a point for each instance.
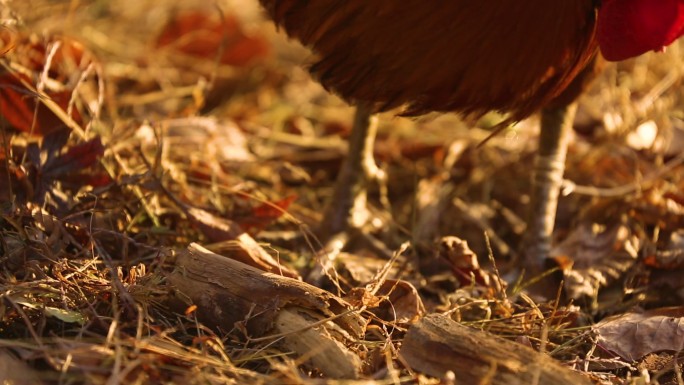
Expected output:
(633, 335)
(265, 214)
(465, 265)
(20, 105)
(207, 36)
(600, 255)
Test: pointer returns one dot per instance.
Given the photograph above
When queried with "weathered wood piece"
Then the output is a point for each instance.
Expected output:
(230, 294)
(321, 345)
(436, 345)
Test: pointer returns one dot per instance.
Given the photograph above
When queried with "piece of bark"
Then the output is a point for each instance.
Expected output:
(436, 345)
(231, 294)
(317, 344)
(228, 291)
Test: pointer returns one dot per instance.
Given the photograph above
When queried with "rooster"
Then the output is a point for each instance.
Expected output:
(471, 57)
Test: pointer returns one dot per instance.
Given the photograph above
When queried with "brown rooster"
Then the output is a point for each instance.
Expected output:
(470, 57)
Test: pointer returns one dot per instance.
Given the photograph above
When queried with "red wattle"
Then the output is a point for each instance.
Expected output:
(628, 28)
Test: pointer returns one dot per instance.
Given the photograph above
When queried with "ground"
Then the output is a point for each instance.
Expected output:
(168, 146)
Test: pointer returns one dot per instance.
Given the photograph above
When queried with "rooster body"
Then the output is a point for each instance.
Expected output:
(462, 55)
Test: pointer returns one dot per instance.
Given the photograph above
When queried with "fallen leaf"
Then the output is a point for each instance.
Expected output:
(633, 335)
(8, 39)
(265, 214)
(71, 165)
(20, 104)
(69, 316)
(23, 110)
(465, 265)
(402, 302)
(210, 37)
(599, 256)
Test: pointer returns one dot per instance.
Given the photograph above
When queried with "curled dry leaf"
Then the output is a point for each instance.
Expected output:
(53, 168)
(403, 303)
(465, 265)
(396, 301)
(633, 335)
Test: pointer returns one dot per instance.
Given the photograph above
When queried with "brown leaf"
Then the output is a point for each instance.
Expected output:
(75, 159)
(600, 255)
(633, 335)
(403, 303)
(8, 39)
(72, 165)
(23, 111)
(20, 105)
(201, 35)
(465, 265)
(265, 214)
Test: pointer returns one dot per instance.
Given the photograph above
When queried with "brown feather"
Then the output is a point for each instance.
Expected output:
(470, 56)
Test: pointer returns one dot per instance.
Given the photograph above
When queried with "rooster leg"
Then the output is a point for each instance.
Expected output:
(347, 207)
(556, 124)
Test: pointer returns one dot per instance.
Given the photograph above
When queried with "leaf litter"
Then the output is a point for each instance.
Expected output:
(212, 133)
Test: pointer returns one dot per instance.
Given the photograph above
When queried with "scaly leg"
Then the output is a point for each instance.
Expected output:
(549, 167)
(347, 209)
(347, 206)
